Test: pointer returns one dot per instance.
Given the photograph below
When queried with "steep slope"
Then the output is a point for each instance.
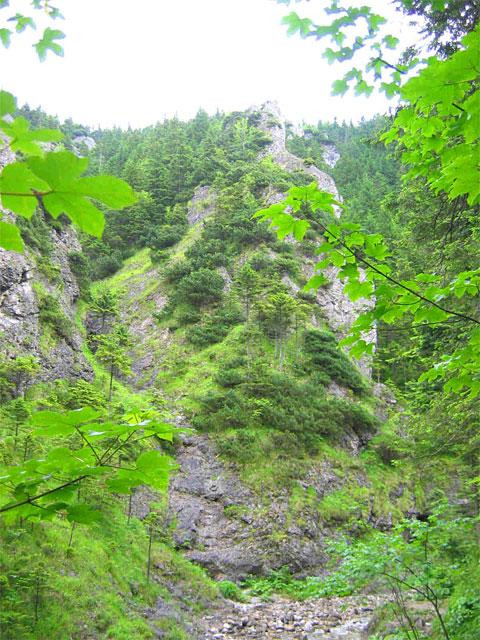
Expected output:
(252, 496)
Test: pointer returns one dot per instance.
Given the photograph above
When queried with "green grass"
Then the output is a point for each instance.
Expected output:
(94, 587)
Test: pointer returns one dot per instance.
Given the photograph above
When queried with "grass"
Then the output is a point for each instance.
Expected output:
(91, 581)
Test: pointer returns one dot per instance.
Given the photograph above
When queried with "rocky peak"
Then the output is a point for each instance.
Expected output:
(271, 121)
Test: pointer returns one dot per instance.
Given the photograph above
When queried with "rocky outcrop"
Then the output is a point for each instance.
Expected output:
(337, 308)
(272, 122)
(201, 205)
(330, 155)
(228, 529)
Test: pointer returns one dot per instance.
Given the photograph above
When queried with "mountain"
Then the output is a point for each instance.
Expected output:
(290, 454)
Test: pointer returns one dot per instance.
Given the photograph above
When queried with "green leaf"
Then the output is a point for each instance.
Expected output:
(17, 179)
(336, 258)
(8, 103)
(355, 239)
(295, 23)
(150, 460)
(356, 290)
(82, 513)
(339, 87)
(5, 37)
(22, 22)
(80, 416)
(10, 238)
(25, 140)
(315, 282)
(391, 42)
(70, 192)
(113, 192)
(47, 43)
(300, 228)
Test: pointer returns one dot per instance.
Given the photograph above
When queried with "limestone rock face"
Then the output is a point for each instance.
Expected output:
(201, 205)
(223, 526)
(331, 155)
(272, 122)
(337, 308)
(20, 327)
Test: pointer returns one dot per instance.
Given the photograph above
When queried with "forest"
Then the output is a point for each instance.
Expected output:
(240, 357)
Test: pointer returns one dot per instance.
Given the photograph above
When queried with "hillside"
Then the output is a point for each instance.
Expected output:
(279, 446)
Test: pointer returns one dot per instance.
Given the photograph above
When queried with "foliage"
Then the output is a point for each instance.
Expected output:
(322, 353)
(201, 287)
(215, 326)
(84, 445)
(18, 373)
(231, 591)
(112, 353)
(294, 415)
(284, 583)
(423, 558)
(50, 313)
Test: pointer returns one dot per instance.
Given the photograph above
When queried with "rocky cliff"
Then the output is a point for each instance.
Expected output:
(38, 295)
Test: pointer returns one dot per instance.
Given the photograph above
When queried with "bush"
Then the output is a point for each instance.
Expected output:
(229, 377)
(51, 314)
(323, 354)
(201, 287)
(215, 327)
(50, 270)
(186, 314)
(286, 264)
(177, 270)
(80, 268)
(231, 591)
(158, 255)
(166, 236)
(106, 266)
(296, 414)
(84, 394)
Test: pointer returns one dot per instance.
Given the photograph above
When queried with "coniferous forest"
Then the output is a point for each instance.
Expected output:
(240, 357)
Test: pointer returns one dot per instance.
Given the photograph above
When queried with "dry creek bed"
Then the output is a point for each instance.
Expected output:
(280, 619)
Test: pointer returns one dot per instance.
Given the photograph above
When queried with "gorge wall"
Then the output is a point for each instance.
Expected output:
(38, 295)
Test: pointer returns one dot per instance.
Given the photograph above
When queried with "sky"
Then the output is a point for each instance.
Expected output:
(136, 62)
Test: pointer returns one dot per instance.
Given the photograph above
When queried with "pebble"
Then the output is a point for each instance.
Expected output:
(281, 619)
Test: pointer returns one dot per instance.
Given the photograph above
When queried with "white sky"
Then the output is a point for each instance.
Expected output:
(135, 62)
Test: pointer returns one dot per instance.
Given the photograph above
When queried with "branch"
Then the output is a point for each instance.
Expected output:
(396, 282)
(391, 66)
(89, 445)
(30, 500)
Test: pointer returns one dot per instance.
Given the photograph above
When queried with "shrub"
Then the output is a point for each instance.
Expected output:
(286, 264)
(80, 268)
(51, 314)
(158, 255)
(215, 326)
(106, 266)
(229, 377)
(48, 269)
(323, 354)
(186, 314)
(166, 236)
(177, 270)
(84, 394)
(201, 287)
(296, 414)
(231, 591)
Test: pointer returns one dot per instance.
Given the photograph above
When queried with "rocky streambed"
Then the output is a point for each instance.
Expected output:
(281, 619)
